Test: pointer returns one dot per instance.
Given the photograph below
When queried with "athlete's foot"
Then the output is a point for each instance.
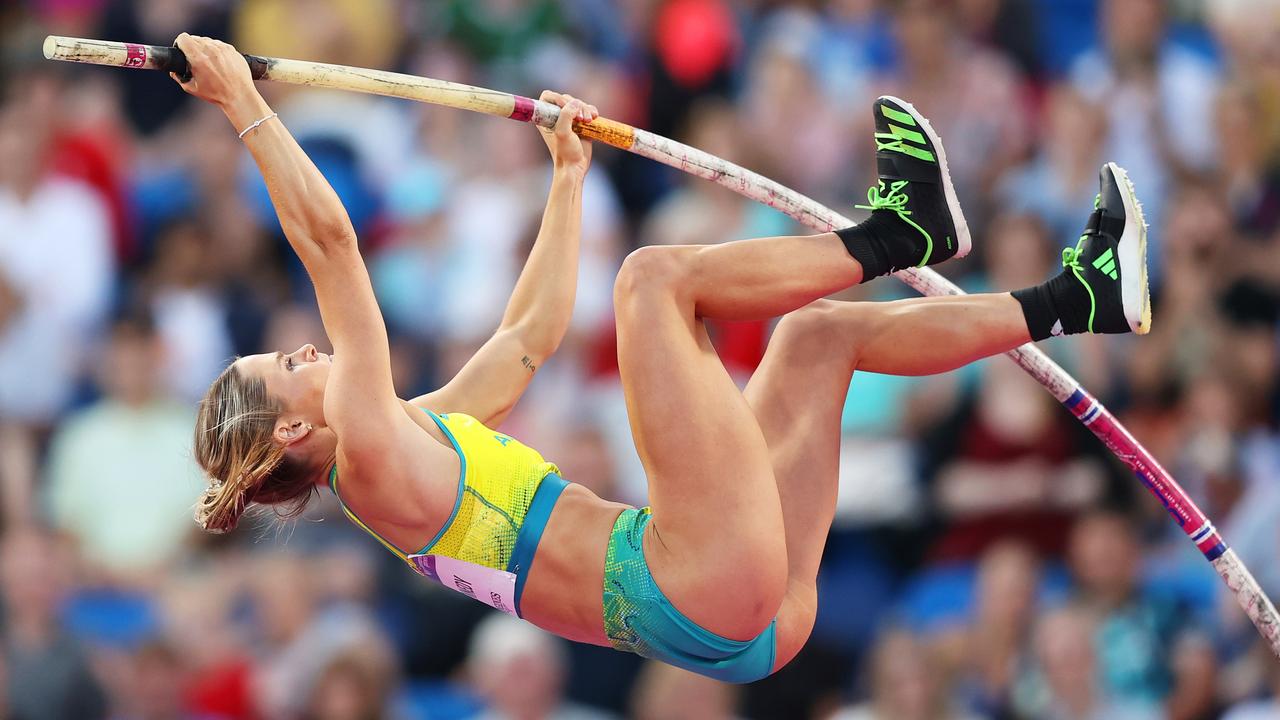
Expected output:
(1103, 284)
(915, 216)
(1110, 260)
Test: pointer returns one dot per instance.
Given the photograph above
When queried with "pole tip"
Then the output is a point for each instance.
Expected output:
(50, 47)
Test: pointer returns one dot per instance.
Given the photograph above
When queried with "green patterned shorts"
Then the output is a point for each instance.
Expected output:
(638, 618)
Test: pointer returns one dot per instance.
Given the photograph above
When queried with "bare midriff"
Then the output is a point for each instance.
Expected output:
(564, 590)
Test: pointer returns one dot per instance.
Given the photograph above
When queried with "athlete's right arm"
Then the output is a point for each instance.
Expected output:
(320, 232)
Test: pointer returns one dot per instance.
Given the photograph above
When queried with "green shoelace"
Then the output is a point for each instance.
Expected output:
(1071, 261)
(896, 201)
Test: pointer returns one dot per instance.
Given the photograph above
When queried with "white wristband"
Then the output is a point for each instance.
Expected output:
(256, 124)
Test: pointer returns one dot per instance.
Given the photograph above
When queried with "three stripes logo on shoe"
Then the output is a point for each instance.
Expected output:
(1106, 264)
(903, 135)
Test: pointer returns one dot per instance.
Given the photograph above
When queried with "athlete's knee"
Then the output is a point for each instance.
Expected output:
(828, 326)
(816, 327)
(746, 583)
(654, 268)
(812, 320)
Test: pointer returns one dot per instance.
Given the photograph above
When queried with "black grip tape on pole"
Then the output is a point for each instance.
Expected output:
(172, 59)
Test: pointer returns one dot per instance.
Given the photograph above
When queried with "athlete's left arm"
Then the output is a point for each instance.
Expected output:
(541, 304)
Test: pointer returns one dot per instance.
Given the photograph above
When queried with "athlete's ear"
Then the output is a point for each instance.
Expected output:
(290, 430)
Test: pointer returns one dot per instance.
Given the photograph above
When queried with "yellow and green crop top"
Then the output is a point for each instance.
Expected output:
(497, 481)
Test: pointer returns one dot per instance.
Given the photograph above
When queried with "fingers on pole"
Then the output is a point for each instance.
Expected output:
(572, 110)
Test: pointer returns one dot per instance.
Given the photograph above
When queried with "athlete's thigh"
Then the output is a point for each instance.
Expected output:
(717, 521)
(797, 395)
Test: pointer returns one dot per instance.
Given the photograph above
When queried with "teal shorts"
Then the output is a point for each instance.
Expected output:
(638, 618)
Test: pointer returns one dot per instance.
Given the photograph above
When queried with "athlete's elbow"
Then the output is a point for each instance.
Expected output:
(333, 233)
(540, 346)
(323, 233)
(325, 224)
(534, 354)
(328, 243)
(537, 339)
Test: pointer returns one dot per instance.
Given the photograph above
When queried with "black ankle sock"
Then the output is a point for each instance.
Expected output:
(1060, 300)
(867, 250)
(1038, 310)
(880, 249)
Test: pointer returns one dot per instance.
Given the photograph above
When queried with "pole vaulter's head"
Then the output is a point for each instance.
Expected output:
(261, 436)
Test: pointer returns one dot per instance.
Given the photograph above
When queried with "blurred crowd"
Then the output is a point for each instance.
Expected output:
(989, 560)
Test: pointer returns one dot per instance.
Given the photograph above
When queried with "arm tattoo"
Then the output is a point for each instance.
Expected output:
(528, 364)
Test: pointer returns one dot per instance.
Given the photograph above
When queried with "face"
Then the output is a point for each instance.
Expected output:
(1134, 27)
(1064, 643)
(1103, 554)
(924, 31)
(297, 381)
(131, 371)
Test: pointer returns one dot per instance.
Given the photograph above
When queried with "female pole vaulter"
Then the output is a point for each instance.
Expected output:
(718, 575)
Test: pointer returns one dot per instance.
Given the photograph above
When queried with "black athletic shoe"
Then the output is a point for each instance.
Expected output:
(1110, 260)
(914, 197)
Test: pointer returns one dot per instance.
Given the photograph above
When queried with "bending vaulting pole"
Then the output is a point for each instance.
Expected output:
(1080, 403)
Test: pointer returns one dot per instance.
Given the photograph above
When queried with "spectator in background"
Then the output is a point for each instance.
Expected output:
(301, 636)
(968, 92)
(406, 273)
(780, 78)
(350, 688)
(1060, 180)
(1198, 264)
(1248, 350)
(992, 652)
(55, 276)
(1251, 177)
(1159, 100)
(48, 675)
(121, 479)
(1009, 26)
(1137, 637)
(906, 684)
(188, 311)
(1246, 31)
(158, 683)
(488, 215)
(1065, 685)
(855, 46)
(1267, 708)
(518, 671)
(197, 607)
(1008, 464)
(665, 692)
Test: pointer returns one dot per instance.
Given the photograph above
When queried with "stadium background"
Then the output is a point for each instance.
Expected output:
(989, 559)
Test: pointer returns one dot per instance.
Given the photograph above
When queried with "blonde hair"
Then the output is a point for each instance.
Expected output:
(235, 446)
